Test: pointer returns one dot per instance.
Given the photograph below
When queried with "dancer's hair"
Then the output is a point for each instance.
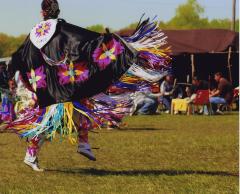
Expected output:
(50, 9)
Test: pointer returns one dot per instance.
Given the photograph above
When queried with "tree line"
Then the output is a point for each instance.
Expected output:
(187, 16)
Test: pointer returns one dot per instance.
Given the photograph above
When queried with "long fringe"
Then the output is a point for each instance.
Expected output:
(110, 107)
(149, 40)
(48, 121)
(148, 74)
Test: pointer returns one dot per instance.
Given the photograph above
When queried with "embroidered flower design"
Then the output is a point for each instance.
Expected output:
(43, 29)
(72, 73)
(107, 53)
(37, 78)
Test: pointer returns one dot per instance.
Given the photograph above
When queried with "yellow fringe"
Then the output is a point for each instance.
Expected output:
(131, 80)
(69, 126)
(157, 51)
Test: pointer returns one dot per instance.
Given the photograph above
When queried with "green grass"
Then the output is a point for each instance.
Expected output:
(152, 154)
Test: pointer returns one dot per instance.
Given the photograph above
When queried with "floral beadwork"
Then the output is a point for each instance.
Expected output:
(107, 53)
(72, 73)
(37, 78)
(43, 29)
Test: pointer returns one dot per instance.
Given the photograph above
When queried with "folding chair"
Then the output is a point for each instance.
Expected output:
(179, 105)
(202, 99)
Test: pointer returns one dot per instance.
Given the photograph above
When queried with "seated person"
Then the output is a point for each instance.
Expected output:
(197, 85)
(192, 91)
(223, 94)
(144, 104)
(166, 91)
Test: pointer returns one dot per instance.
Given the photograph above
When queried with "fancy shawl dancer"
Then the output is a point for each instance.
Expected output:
(73, 72)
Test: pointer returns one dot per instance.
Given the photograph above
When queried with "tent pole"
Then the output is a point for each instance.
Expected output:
(233, 23)
(229, 64)
(193, 65)
(209, 82)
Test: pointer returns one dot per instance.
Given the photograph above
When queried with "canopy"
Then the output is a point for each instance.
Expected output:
(200, 41)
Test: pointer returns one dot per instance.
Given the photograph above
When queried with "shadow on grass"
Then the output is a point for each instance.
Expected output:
(100, 172)
(143, 129)
(3, 144)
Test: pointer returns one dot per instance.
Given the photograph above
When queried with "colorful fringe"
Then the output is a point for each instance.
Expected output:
(56, 118)
(110, 107)
(154, 61)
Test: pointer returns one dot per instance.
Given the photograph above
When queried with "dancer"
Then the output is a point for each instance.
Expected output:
(70, 70)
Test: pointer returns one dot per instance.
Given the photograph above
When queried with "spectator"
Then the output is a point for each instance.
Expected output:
(166, 91)
(196, 85)
(199, 85)
(223, 94)
(144, 104)
(192, 92)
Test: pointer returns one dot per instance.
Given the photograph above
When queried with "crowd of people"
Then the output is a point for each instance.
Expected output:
(219, 96)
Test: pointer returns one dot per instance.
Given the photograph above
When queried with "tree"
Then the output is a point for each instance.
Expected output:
(188, 15)
(97, 28)
(3, 44)
(9, 44)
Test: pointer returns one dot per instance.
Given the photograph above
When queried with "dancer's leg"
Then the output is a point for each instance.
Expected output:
(35, 145)
(83, 124)
(32, 152)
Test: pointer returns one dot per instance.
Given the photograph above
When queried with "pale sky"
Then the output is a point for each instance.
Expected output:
(19, 16)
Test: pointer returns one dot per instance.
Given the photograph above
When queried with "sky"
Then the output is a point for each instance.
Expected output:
(19, 16)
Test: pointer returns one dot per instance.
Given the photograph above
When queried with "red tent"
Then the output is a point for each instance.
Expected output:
(203, 52)
(202, 41)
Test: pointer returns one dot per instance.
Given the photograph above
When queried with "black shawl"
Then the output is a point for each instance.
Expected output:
(69, 67)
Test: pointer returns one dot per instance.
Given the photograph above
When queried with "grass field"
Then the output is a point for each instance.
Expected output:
(152, 154)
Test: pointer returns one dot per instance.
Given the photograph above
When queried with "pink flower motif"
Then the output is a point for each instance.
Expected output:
(107, 53)
(72, 73)
(43, 29)
(37, 78)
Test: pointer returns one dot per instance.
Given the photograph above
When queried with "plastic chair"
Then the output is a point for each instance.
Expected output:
(202, 99)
